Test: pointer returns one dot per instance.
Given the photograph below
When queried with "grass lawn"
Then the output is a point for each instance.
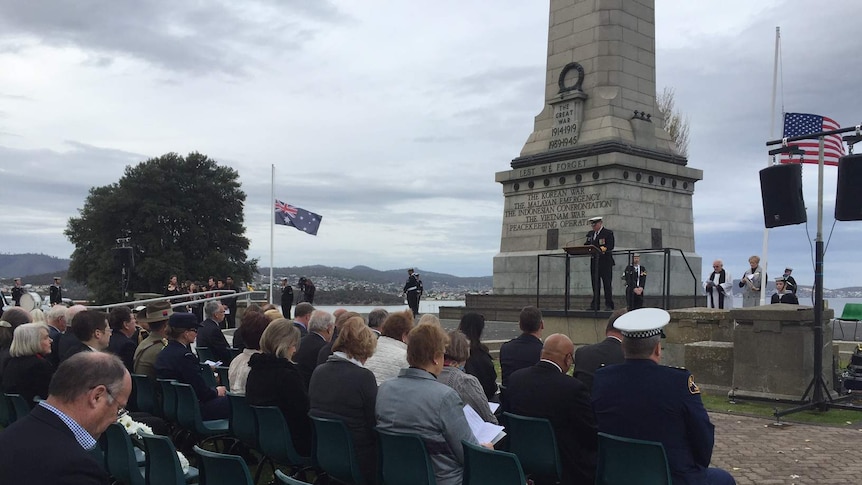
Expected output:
(833, 417)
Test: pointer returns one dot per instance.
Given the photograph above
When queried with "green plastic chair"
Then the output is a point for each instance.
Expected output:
(242, 424)
(334, 452)
(120, 456)
(223, 376)
(145, 396)
(288, 480)
(623, 461)
(7, 414)
(534, 442)
(276, 442)
(163, 466)
(221, 469)
(169, 399)
(403, 459)
(852, 313)
(204, 354)
(189, 416)
(483, 466)
(18, 406)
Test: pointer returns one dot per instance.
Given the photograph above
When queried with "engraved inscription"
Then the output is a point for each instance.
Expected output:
(552, 209)
(567, 118)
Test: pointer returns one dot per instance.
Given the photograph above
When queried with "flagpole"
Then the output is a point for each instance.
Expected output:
(765, 266)
(271, 232)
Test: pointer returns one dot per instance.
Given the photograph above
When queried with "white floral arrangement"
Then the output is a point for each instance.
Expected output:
(135, 428)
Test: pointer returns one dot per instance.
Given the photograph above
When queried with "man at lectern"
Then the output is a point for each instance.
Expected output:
(602, 264)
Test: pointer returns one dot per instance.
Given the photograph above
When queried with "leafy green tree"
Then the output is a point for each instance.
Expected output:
(181, 216)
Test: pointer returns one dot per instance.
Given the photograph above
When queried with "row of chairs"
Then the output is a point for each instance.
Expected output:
(12, 408)
(404, 459)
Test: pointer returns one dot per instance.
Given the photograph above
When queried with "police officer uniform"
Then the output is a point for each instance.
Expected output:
(176, 361)
(644, 400)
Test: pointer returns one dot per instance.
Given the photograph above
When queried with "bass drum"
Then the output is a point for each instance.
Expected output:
(30, 301)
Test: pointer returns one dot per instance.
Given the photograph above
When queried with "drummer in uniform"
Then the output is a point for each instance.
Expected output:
(17, 292)
(56, 292)
(644, 400)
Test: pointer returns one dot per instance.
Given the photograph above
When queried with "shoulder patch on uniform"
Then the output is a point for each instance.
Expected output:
(692, 387)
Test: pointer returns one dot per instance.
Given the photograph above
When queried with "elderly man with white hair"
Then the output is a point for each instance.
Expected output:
(321, 327)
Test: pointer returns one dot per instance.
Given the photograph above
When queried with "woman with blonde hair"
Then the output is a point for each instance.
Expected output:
(273, 380)
(27, 371)
(342, 388)
(750, 283)
(37, 315)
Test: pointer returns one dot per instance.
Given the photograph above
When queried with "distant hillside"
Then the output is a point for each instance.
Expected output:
(364, 273)
(21, 265)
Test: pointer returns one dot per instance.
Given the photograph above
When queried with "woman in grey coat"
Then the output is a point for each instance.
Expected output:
(750, 283)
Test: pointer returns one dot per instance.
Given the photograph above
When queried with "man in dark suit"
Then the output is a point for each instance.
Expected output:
(635, 277)
(602, 263)
(123, 327)
(321, 326)
(88, 332)
(526, 349)
(286, 297)
(210, 334)
(230, 303)
(53, 444)
(590, 358)
(56, 320)
(643, 400)
(301, 316)
(545, 391)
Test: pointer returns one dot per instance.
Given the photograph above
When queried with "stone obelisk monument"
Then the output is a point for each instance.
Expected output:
(598, 148)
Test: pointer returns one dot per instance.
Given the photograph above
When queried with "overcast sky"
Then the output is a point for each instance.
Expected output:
(390, 118)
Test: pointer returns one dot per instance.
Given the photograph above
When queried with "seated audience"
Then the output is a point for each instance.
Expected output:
(525, 349)
(590, 358)
(466, 385)
(342, 388)
(415, 402)
(28, 372)
(178, 362)
(342, 317)
(391, 354)
(37, 315)
(376, 318)
(56, 319)
(53, 444)
(123, 327)
(321, 326)
(645, 400)
(155, 317)
(210, 335)
(480, 363)
(88, 332)
(273, 380)
(428, 318)
(545, 391)
(252, 327)
(12, 318)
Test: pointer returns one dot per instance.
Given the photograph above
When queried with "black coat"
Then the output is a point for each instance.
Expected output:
(286, 300)
(28, 376)
(341, 389)
(41, 450)
(606, 240)
(273, 381)
(70, 345)
(542, 391)
(589, 358)
(306, 355)
(522, 351)
(210, 336)
(124, 348)
(481, 364)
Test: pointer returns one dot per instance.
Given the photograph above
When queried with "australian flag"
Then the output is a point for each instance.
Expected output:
(288, 215)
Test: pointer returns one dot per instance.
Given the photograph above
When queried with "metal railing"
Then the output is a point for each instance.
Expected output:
(221, 295)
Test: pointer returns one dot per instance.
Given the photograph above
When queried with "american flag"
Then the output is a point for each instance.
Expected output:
(288, 215)
(798, 124)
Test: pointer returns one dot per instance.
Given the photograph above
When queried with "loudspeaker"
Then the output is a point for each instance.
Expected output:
(848, 196)
(781, 189)
(124, 257)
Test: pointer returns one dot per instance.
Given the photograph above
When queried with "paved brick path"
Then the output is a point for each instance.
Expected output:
(756, 453)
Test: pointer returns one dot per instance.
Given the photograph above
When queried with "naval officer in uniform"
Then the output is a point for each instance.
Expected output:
(602, 263)
(644, 400)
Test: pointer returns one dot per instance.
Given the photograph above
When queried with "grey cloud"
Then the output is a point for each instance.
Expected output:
(193, 37)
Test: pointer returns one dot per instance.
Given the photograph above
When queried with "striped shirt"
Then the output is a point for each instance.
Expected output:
(84, 438)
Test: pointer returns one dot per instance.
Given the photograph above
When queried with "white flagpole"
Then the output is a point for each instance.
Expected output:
(763, 280)
(271, 232)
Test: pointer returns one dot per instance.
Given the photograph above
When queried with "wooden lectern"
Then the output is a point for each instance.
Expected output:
(582, 250)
